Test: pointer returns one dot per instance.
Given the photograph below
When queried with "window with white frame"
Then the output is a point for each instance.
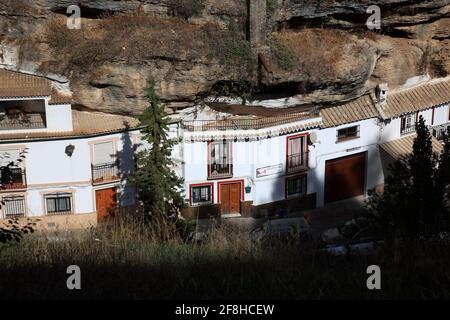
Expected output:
(296, 186)
(201, 195)
(219, 159)
(105, 165)
(13, 207)
(58, 203)
(408, 123)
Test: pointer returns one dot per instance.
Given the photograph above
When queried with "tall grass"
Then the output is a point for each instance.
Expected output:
(134, 260)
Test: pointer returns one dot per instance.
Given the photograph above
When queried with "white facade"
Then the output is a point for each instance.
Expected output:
(73, 170)
(48, 169)
(270, 152)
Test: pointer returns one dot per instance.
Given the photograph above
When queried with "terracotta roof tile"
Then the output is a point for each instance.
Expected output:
(15, 84)
(356, 110)
(404, 146)
(84, 124)
(420, 97)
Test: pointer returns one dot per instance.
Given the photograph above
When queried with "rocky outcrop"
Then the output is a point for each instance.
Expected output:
(320, 51)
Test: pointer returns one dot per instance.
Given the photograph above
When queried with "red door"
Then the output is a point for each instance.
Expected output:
(345, 177)
(106, 201)
(230, 198)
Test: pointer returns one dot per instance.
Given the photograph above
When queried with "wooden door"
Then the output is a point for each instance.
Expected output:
(106, 201)
(345, 177)
(230, 198)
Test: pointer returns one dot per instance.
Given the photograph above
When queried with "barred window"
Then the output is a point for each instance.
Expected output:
(13, 206)
(296, 186)
(201, 195)
(59, 203)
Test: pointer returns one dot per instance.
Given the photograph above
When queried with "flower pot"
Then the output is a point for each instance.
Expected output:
(248, 189)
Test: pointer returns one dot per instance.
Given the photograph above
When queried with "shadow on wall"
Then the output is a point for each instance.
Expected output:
(126, 155)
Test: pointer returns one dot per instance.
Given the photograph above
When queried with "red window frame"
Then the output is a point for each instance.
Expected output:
(210, 184)
(292, 178)
(208, 164)
(306, 152)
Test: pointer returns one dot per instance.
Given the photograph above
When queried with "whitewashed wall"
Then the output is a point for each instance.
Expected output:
(49, 169)
(248, 156)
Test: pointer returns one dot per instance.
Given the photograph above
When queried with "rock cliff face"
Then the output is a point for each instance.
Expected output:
(321, 51)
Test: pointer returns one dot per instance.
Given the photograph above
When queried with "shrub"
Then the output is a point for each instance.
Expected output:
(284, 55)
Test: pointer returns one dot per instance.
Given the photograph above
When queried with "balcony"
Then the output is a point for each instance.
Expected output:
(15, 179)
(219, 171)
(297, 162)
(22, 121)
(438, 131)
(409, 129)
(106, 172)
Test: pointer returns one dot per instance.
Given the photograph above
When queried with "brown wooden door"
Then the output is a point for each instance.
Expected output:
(230, 198)
(106, 201)
(345, 177)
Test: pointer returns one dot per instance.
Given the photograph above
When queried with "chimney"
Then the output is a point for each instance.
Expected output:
(382, 93)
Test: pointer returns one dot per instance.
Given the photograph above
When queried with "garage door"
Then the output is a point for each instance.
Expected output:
(345, 177)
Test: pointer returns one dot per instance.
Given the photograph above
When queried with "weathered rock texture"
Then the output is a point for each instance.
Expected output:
(319, 50)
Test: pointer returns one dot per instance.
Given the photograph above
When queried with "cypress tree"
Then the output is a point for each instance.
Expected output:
(424, 194)
(158, 186)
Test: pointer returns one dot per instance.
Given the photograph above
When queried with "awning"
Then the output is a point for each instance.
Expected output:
(404, 146)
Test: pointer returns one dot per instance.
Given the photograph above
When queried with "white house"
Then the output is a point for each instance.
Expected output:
(235, 160)
(75, 164)
(253, 161)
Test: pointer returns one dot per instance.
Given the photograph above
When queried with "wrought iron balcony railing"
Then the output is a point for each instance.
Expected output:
(15, 179)
(105, 172)
(297, 162)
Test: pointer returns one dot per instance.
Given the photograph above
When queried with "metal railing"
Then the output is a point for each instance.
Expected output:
(22, 121)
(15, 180)
(13, 207)
(105, 172)
(244, 124)
(297, 162)
(219, 171)
(438, 131)
(410, 129)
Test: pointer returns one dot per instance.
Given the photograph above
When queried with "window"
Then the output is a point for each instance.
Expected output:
(408, 123)
(297, 155)
(104, 153)
(348, 133)
(296, 186)
(13, 206)
(59, 203)
(15, 179)
(201, 194)
(105, 167)
(219, 162)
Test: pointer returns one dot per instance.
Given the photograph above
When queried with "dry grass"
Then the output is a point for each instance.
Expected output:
(317, 53)
(133, 260)
(136, 37)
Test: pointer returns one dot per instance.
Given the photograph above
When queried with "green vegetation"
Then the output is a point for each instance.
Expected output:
(284, 55)
(158, 186)
(414, 202)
